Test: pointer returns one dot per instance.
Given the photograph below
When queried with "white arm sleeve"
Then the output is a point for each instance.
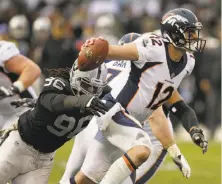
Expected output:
(7, 51)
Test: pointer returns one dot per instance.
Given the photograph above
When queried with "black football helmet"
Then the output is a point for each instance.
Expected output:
(182, 28)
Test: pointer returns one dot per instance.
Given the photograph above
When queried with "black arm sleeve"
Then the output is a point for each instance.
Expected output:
(185, 114)
(60, 103)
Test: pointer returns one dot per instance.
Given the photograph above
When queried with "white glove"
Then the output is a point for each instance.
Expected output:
(179, 160)
(104, 120)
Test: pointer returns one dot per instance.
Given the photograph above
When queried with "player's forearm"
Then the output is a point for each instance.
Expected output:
(161, 128)
(60, 103)
(29, 74)
(27, 70)
(185, 115)
(124, 52)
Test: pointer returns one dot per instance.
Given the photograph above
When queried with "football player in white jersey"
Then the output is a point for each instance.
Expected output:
(157, 68)
(17, 74)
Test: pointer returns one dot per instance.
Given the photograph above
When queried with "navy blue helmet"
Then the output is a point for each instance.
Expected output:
(182, 28)
(129, 37)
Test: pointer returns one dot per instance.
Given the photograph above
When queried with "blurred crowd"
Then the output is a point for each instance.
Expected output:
(51, 33)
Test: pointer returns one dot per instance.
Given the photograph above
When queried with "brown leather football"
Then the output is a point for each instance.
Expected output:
(92, 56)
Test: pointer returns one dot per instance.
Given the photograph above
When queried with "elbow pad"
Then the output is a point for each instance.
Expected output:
(185, 114)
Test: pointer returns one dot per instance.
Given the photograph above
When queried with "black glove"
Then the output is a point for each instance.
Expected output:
(95, 106)
(24, 102)
(7, 92)
(199, 139)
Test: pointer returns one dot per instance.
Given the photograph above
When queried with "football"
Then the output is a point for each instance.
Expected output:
(92, 56)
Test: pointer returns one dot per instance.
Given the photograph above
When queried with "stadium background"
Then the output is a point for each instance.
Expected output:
(51, 33)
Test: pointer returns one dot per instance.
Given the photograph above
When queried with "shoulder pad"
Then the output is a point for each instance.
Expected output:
(7, 51)
(150, 49)
(57, 85)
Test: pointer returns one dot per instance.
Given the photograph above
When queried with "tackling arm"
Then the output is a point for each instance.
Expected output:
(61, 103)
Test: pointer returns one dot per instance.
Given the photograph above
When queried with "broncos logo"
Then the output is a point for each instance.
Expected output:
(171, 18)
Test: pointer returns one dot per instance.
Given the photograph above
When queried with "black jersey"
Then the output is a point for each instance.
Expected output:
(48, 126)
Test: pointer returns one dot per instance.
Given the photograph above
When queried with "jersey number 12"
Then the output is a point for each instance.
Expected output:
(169, 91)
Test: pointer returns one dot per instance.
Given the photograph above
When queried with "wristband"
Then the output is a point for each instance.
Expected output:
(19, 85)
(173, 151)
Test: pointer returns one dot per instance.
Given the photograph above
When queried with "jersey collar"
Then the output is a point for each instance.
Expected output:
(175, 68)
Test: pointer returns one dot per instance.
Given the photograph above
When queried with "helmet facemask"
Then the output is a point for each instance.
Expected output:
(90, 82)
(188, 38)
(90, 86)
(193, 41)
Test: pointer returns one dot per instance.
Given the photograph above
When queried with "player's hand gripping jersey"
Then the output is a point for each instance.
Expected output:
(152, 79)
(49, 125)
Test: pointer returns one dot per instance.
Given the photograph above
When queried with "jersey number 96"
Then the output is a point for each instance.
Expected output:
(68, 125)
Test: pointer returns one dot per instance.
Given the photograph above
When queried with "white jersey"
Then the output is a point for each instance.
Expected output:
(117, 70)
(7, 51)
(152, 79)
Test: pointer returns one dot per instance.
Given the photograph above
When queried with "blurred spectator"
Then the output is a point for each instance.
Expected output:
(19, 31)
(4, 32)
(106, 26)
(97, 7)
(208, 78)
(40, 34)
(60, 50)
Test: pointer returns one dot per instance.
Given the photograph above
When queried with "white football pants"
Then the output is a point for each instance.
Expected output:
(22, 164)
(83, 141)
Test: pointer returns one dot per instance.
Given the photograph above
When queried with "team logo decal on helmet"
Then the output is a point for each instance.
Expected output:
(172, 19)
(182, 28)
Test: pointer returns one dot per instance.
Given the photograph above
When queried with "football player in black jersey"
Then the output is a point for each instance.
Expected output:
(64, 108)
